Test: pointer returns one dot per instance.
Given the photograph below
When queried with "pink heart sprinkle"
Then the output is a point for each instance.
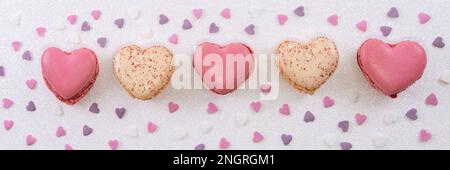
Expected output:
(173, 107)
(431, 100)
(173, 39)
(282, 19)
(96, 14)
(265, 88)
(41, 31)
(424, 135)
(333, 20)
(328, 102)
(8, 124)
(256, 106)
(31, 83)
(60, 132)
(197, 13)
(113, 144)
(424, 18)
(68, 147)
(360, 118)
(257, 137)
(16, 45)
(151, 127)
(284, 109)
(212, 108)
(226, 13)
(30, 140)
(7, 103)
(224, 144)
(72, 19)
(362, 25)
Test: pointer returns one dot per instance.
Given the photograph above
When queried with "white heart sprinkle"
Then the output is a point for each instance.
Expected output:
(242, 119)
(205, 127)
(379, 140)
(445, 77)
(179, 133)
(330, 140)
(254, 11)
(133, 13)
(59, 24)
(389, 118)
(74, 38)
(14, 19)
(147, 33)
(353, 96)
(59, 110)
(131, 131)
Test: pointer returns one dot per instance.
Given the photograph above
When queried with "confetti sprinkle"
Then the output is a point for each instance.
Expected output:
(119, 23)
(344, 125)
(445, 76)
(7, 103)
(300, 11)
(362, 25)
(439, 42)
(87, 130)
(328, 102)
(286, 139)
(102, 42)
(385, 30)
(360, 118)
(41, 31)
(265, 88)
(330, 140)
(226, 13)
(173, 107)
(250, 29)
(187, 24)
(94, 108)
(163, 19)
(282, 19)
(8, 124)
(346, 145)
(393, 13)
(16, 45)
(173, 39)
(284, 110)
(60, 132)
(424, 18)
(120, 112)
(198, 13)
(431, 100)
(113, 144)
(26, 55)
(424, 135)
(199, 147)
(72, 19)
(213, 28)
(379, 140)
(411, 114)
(255, 106)
(85, 26)
(257, 137)
(2, 71)
(31, 107)
(333, 19)
(309, 117)
(31, 83)
(30, 140)
(96, 14)
(224, 143)
(151, 127)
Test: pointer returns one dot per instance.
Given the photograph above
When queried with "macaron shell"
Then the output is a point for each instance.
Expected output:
(391, 68)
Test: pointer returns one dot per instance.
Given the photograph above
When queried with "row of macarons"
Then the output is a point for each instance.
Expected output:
(145, 72)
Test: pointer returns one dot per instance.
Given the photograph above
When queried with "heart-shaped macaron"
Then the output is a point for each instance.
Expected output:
(391, 68)
(69, 76)
(307, 66)
(143, 72)
(210, 61)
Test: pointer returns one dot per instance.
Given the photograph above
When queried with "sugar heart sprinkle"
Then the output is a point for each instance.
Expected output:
(40, 31)
(282, 19)
(151, 127)
(439, 42)
(119, 22)
(31, 83)
(163, 19)
(346, 145)
(8, 124)
(257, 137)
(31, 107)
(173, 107)
(385, 30)
(94, 108)
(250, 29)
(226, 13)
(212, 108)
(300, 11)
(393, 13)
(424, 18)
(265, 88)
(96, 14)
(431, 100)
(224, 143)
(344, 125)
(87, 130)
(113, 144)
(360, 118)
(173, 39)
(2, 71)
(60, 132)
(16, 45)
(68, 147)
(213, 28)
(333, 19)
(85, 26)
(7, 103)
(187, 24)
(286, 139)
(309, 117)
(30, 140)
(199, 147)
(255, 106)
(72, 19)
(198, 13)
(362, 25)
(102, 42)
(26, 55)
(120, 112)
(411, 114)
(284, 109)
(328, 102)
(424, 135)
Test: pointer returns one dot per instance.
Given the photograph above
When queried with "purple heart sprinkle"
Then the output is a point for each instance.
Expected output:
(2, 71)
(393, 13)
(213, 28)
(300, 11)
(119, 22)
(309, 117)
(31, 107)
(85, 26)
(286, 139)
(250, 29)
(346, 145)
(163, 19)
(120, 112)
(343, 125)
(439, 42)
(94, 108)
(412, 114)
(102, 42)
(26, 55)
(200, 147)
(187, 24)
(87, 130)
(385, 30)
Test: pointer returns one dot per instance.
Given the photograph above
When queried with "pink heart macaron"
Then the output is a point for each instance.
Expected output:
(69, 76)
(391, 68)
(211, 61)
